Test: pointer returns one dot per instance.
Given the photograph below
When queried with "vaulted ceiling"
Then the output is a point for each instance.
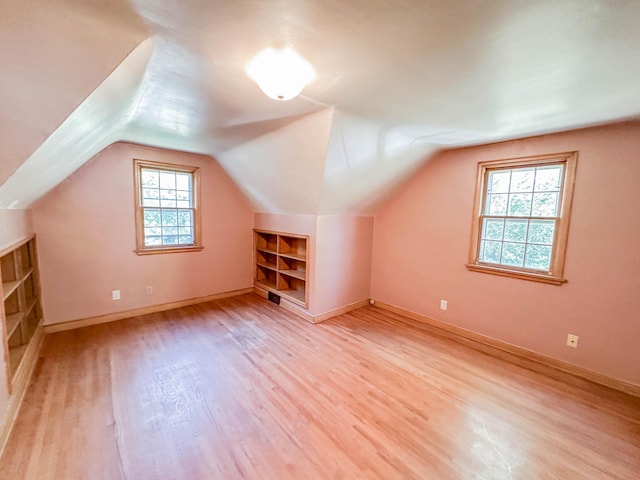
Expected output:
(397, 80)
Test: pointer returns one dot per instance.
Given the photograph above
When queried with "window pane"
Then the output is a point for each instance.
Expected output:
(545, 205)
(183, 181)
(185, 231)
(499, 182)
(150, 178)
(150, 197)
(548, 178)
(516, 230)
(186, 239)
(490, 251)
(541, 231)
(520, 204)
(169, 218)
(152, 241)
(492, 229)
(168, 180)
(185, 218)
(168, 198)
(147, 202)
(167, 194)
(513, 254)
(169, 239)
(522, 180)
(151, 217)
(184, 195)
(538, 257)
(152, 231)
(169, 230)
(168, 204)
(496, 204)
(150, 193)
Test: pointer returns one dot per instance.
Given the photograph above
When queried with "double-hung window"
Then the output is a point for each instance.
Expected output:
(167, 214)
(521, 217)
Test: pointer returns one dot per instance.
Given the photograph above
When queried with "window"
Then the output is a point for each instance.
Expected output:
(167, 215)
(521, 217)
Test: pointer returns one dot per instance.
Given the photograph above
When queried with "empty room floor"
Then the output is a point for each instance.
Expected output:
(240, 388)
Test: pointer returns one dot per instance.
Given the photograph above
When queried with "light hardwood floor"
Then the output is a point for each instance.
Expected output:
(240, 388)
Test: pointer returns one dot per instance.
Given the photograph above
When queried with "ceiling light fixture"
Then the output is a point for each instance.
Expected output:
(280, 73)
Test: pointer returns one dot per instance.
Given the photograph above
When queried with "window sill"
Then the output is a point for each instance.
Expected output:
(523, 275)
(157, 250)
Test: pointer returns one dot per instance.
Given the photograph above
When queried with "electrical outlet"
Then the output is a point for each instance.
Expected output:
(148, 289)
(572, 340)
(443, 304)
(115, 294)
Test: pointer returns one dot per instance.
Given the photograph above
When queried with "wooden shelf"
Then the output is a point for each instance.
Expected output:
(15, 357)
(28, 271)
(12, 322)
(8, 288)
(266, 284)
(294, 256)
(30, 306)
(299, 274)
(273, 252)
(281, 264)
(267, 265)
(266, 241)
(21, 297)
(298, 295)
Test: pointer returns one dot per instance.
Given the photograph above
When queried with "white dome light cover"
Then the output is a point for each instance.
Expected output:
(280, 73)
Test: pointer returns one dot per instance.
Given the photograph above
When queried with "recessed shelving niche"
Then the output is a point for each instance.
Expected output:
(281, 265)
(21, 301)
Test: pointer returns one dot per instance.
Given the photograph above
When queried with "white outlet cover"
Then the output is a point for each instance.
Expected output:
(115, 294)
(443, 304)
(572, 340)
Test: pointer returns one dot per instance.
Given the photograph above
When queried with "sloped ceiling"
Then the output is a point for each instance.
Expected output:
(396, 81)
(53, 54)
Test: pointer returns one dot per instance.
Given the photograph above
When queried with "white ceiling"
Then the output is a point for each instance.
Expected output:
(396, 81)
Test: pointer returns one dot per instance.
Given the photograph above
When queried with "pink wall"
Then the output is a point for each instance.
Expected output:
(343, 261)
(15, 225)
(86, 239)
(298, 224)
(421, 242)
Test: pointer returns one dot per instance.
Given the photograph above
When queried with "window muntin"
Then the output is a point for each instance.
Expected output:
(521, 220)
(166, 207)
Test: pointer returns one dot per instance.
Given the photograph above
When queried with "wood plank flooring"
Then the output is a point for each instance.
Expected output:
(240, 388)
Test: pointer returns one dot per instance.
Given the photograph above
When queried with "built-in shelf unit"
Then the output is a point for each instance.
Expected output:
(22, 312)
(281, 265)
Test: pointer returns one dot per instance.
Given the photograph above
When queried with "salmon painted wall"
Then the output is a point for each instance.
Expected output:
(15, 226)
(421, 242)
(86, 239)
(343, 261)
